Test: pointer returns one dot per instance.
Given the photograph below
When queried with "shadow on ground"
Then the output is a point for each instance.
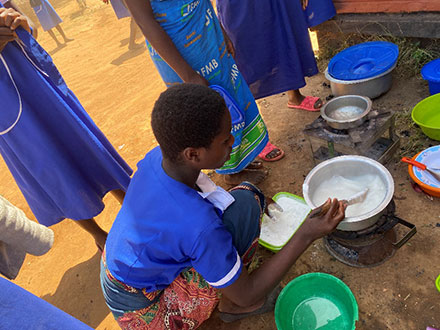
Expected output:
(80, 286)
(128, 55)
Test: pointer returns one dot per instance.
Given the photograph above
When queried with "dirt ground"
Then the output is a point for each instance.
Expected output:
(118, 88)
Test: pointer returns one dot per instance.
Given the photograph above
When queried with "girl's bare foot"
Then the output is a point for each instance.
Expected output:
(296, 99)
(253, 176)
(255, 165)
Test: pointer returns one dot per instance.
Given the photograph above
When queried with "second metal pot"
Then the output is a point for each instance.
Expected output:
(372, 87)
(346, 111)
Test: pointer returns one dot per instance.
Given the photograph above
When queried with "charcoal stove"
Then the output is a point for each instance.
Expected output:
(375, 138)
(371, 246)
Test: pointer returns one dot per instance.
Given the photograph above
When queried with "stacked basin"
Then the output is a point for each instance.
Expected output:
(364, 69)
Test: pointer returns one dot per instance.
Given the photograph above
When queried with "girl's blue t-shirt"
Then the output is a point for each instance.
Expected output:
(165, 227)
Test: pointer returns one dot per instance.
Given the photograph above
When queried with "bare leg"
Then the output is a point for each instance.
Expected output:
(60, 30)
(93, 229)
(295, 97)
(54, 38)
(133, 31)
(119, 195)
(81, 4)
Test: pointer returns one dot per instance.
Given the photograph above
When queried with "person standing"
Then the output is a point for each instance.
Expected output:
(121, 11)
(273, 50)
(60, 160)
(49, 19)
(187, 44)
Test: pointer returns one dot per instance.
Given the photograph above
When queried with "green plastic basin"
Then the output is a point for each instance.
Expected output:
(426, 114)
(316, 301)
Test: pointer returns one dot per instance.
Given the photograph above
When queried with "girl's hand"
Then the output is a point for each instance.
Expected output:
(6, 35)
(323, 220)
(195, 78)
(304, 4)
(229, 45)
(13, 19)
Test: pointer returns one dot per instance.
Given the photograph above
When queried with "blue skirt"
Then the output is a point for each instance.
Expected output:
(47, 16)
(272, 43)
(120, 9)
(20, 309)
(60, 160)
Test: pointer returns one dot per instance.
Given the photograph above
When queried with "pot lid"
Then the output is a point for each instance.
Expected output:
(365, 60)
(431, 71)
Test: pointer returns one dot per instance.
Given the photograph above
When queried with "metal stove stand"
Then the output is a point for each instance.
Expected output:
(375, 138)
(371, 246)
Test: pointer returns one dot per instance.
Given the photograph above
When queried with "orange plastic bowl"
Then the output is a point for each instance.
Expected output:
(426, 188)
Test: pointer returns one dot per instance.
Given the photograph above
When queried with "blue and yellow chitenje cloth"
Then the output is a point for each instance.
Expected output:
(195, 30)
(60, 160)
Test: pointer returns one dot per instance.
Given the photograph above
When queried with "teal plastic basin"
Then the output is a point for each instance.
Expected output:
(316, 301)
(426, 114)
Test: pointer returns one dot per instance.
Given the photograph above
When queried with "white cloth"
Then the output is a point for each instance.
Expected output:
(219, 197)
(18, 236)
(3, 1)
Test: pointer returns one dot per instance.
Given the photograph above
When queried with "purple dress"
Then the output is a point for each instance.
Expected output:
(272, 43)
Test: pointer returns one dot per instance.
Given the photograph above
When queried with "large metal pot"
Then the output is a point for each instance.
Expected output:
(371, 87)
(346, 111)
(350, 166)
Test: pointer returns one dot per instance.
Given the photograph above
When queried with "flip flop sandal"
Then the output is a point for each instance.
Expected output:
(255, 165)
(268, 306)
(267, 150)
(308, 104)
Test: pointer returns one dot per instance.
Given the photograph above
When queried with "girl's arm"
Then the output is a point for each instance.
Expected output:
(229, 45)
(143, 15)
(249, 289)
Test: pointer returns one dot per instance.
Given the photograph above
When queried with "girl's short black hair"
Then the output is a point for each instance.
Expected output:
(187, 115)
